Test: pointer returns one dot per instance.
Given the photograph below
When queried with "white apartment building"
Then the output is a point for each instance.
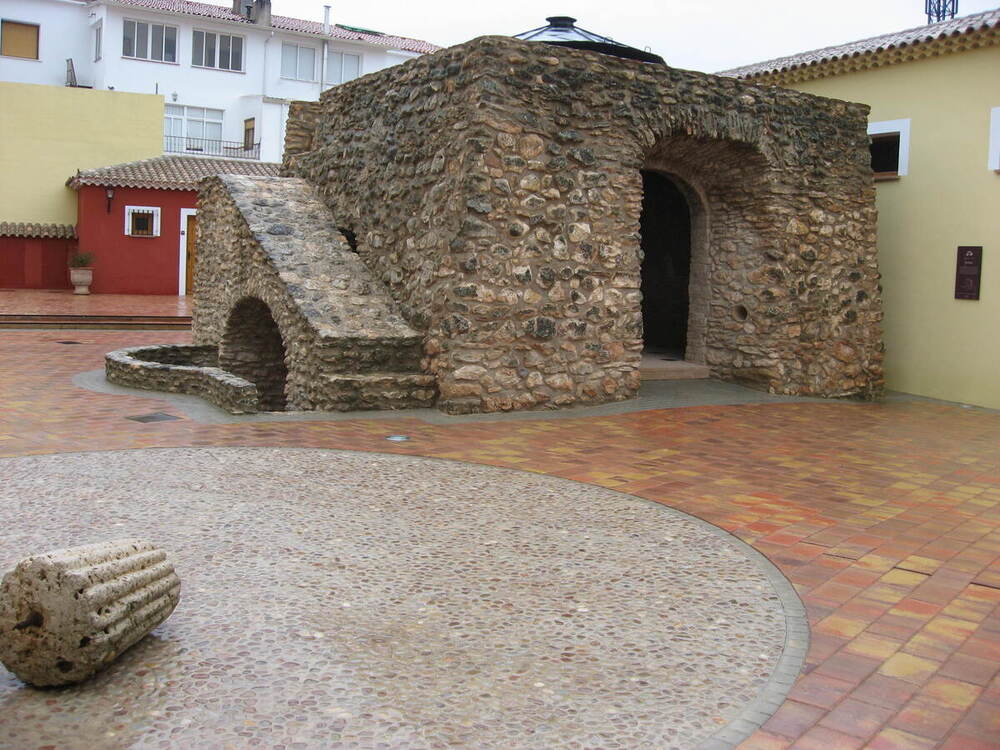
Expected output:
(227, 74)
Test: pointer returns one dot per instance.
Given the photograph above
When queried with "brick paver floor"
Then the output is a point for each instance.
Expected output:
(64, 302)
(885, 517)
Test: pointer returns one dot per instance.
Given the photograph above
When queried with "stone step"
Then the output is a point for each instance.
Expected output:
(380, 390)
(145, 322)
(658, 367)
(349, 355)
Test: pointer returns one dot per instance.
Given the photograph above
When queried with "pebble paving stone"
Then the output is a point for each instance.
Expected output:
(367, 600)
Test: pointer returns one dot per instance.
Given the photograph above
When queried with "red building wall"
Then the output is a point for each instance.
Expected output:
(34, 263)
(131, 265)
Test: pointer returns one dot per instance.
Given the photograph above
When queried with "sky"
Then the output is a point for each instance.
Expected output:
(705, 35)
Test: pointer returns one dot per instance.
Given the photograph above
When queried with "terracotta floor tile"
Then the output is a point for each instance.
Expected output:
(983, 720)
(969, 669)
(820, 690)
(761, 740)
(926, 718)
(848, 667)
(951, 693)
(909, 668)
(793, 719)
(873, 646)
(887, 692)
(841, 626)
(895, 739)
(821, 738)
(856, 718)
(959, 741)
(886, 517)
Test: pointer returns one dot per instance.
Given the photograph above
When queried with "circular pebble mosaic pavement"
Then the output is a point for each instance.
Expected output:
(356, 600)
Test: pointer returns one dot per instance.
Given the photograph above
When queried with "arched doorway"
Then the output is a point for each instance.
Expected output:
(666, 229)
(252, 348)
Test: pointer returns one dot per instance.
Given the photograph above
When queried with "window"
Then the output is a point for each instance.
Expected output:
(248, 133)
(342, 67)
(149, 41)
(885, 154)
(993, 161)
(98, 33)
(222, 51)
(188, 128)
(890, 148)
(142, 221)
(298, 62)
(19, 40)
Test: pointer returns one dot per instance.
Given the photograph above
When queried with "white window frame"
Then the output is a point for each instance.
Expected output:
(149, 42)
(329, 81)
(893, 127)
(99, 40)
(186, 117)
(155, 210)
(993, 160)
(298, 47)
(218, 51)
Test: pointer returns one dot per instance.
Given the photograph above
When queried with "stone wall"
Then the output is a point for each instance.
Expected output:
(182, 369)
(495, 189)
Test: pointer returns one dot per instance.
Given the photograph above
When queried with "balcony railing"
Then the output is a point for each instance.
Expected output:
(178, 144)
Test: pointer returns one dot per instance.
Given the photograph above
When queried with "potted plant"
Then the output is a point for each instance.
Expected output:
(81, 274)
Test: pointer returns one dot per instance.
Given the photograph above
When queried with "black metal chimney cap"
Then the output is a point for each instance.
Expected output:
(563, 32)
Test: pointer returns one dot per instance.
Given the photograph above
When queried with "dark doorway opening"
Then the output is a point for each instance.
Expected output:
(665, 225)
(252, 348)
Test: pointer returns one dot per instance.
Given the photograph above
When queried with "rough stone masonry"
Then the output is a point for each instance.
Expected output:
(493, 190)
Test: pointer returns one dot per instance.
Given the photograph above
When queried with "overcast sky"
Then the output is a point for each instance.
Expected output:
(707, 35)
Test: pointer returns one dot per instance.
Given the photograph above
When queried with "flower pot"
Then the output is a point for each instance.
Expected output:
(81, 279)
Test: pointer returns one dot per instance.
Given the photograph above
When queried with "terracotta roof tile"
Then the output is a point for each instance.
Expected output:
(337, 31)
(909, 37)
(27, 229)
(169, 172)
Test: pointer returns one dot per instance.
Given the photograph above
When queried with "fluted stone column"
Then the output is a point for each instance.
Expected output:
(68, 614)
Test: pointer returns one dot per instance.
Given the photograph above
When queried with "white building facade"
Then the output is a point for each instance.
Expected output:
(227, 73)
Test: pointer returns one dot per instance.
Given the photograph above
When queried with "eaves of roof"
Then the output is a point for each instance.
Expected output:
(953, 35)
(169, 172)
(281, 23)
(37, 230)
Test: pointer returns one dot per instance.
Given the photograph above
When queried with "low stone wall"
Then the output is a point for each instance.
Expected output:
(182, 369)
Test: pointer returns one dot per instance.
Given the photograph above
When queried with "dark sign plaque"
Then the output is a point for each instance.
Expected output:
(968, 271)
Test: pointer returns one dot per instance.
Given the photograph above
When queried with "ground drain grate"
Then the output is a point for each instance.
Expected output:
(156, 416)
(69, 342)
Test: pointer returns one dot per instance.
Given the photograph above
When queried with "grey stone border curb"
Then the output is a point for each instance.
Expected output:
(793, 654)
(656, 394)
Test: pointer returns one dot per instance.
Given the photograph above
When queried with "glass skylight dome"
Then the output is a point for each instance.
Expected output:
(562, 32)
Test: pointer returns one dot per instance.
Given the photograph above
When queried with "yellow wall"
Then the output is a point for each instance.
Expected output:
(936, 345)
(48, 132)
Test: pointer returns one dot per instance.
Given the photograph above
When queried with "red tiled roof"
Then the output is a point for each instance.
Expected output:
(169, 172)
(909, 37)
(224, 13)
(28, 229)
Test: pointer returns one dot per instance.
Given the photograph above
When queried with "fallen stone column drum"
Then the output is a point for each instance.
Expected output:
(68, 614)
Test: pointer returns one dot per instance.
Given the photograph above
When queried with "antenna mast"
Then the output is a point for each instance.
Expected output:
(940, 10)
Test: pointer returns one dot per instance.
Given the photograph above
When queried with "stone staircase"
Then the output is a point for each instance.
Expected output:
(346, 344)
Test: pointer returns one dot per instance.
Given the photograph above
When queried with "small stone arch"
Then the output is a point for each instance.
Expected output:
(252, 348)
(724, 183)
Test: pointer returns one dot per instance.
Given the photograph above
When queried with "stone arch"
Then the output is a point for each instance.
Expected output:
(253, 348)
(724, 183)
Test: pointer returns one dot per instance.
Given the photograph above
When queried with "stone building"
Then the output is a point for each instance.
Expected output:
(509, 223)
